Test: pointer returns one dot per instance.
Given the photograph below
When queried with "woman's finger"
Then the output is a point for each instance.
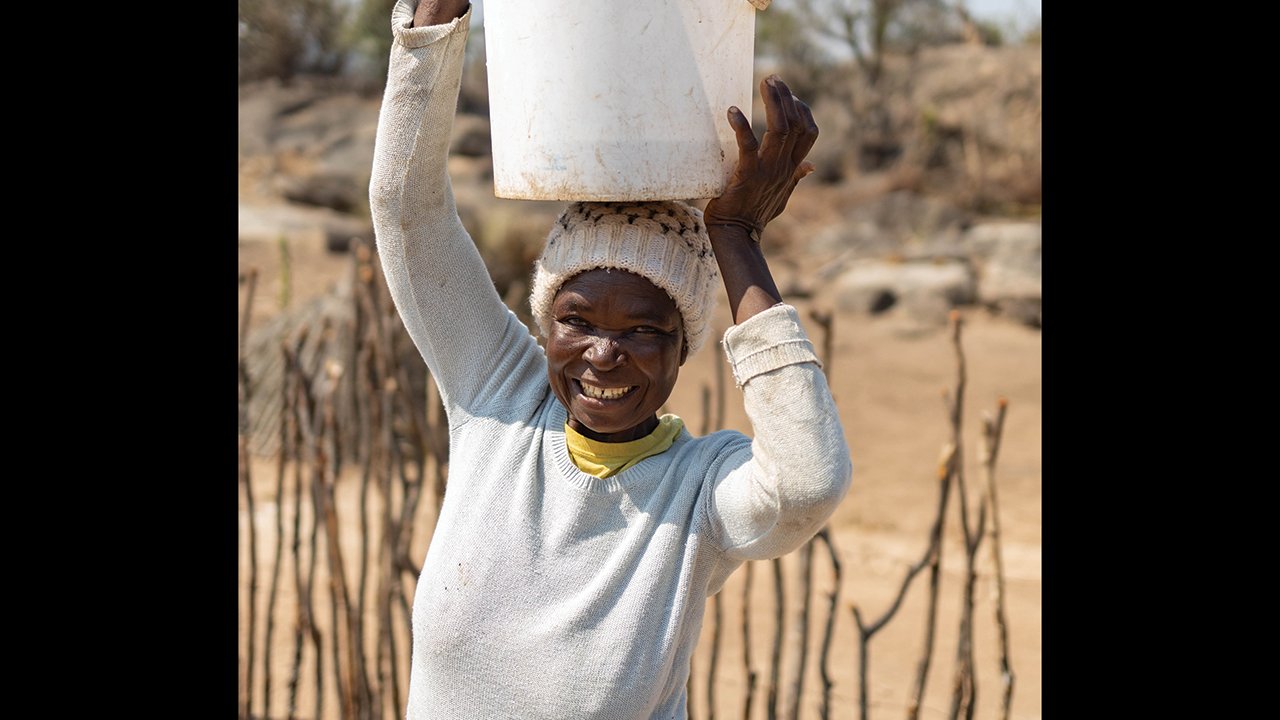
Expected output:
(747, 143)
(795, 122)
(795, 125)
(808, 136)
(776, 133)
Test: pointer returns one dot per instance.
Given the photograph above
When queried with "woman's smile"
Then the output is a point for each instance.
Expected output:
(595, 392)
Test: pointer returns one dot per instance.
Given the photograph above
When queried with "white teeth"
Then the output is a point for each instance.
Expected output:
(600, 393)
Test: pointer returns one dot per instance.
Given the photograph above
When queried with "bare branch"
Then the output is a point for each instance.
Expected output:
(798, 634)
(946, 473)
(306, 610)
(287, 432)
(832, 602)
(246, 481)
(746, 641)
(776, 666)
(991, 448)
(716, 614)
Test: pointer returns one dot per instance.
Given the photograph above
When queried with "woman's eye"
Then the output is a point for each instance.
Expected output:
(574, 321)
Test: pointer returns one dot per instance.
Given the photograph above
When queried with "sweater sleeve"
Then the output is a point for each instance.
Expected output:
(772, 495)
(477, 349)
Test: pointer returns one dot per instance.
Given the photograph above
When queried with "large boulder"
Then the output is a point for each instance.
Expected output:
(342, 192)
(307, 143)
(1009, 268)
(269, 222)
(925, 290)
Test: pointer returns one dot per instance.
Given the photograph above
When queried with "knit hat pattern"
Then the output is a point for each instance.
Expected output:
(665, 242)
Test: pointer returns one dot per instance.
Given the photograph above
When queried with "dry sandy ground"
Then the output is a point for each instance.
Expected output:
(887, 377)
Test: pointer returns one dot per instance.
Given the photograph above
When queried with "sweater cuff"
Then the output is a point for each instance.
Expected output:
(415, 37)
(766, 342)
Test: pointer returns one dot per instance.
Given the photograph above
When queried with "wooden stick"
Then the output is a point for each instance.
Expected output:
(931, 614)
(286, 434)
(832, 602)
(746, 641)
(825, 320)
(371, 434)
(366, 473)
(295, 455)
(776, 668)
(251, 279)
(391, 387)
(306, 606)
(380, 400)
(993, 429)
(965, 689)
(391, 540)
(955, 407)
(354, 678)
(716, 614)
(245, 480)
(957, 424)
(864, 661)
(253, 576)
(372, 708)
(964, 686)
(293, 382)
(409, 492)
(798, 635)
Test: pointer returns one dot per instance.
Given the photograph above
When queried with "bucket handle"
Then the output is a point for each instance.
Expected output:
(760, 4)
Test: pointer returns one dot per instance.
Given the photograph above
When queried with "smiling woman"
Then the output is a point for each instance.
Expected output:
(580, 532)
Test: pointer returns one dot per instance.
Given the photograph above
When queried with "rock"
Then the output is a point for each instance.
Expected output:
(1009, 268)
(325, 123)
(926, 290)
(1004, 241)
(1024, 310)
(340, 192)
(260, 103)
(269, 222)
(314, 145)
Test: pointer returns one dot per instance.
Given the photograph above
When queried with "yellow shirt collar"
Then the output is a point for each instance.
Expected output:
(605, 459)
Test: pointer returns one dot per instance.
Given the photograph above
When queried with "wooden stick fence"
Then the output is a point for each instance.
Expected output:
(346, 388)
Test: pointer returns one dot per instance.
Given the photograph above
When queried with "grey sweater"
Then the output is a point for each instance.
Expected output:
(547, 592)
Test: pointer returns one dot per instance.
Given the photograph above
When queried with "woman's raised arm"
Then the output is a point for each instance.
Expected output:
(473, 344)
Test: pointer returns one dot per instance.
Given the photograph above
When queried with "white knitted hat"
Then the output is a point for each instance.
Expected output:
(664, 242)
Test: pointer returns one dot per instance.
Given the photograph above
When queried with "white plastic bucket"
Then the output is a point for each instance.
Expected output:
(616, 99)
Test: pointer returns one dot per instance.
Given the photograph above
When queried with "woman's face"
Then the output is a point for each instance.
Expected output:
(614, 349)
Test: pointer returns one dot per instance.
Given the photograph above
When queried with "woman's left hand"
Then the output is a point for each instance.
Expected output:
(767, 171)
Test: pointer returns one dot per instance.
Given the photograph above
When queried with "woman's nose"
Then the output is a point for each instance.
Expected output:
(604, 352)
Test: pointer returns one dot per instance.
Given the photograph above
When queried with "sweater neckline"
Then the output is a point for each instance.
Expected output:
(637, 474)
